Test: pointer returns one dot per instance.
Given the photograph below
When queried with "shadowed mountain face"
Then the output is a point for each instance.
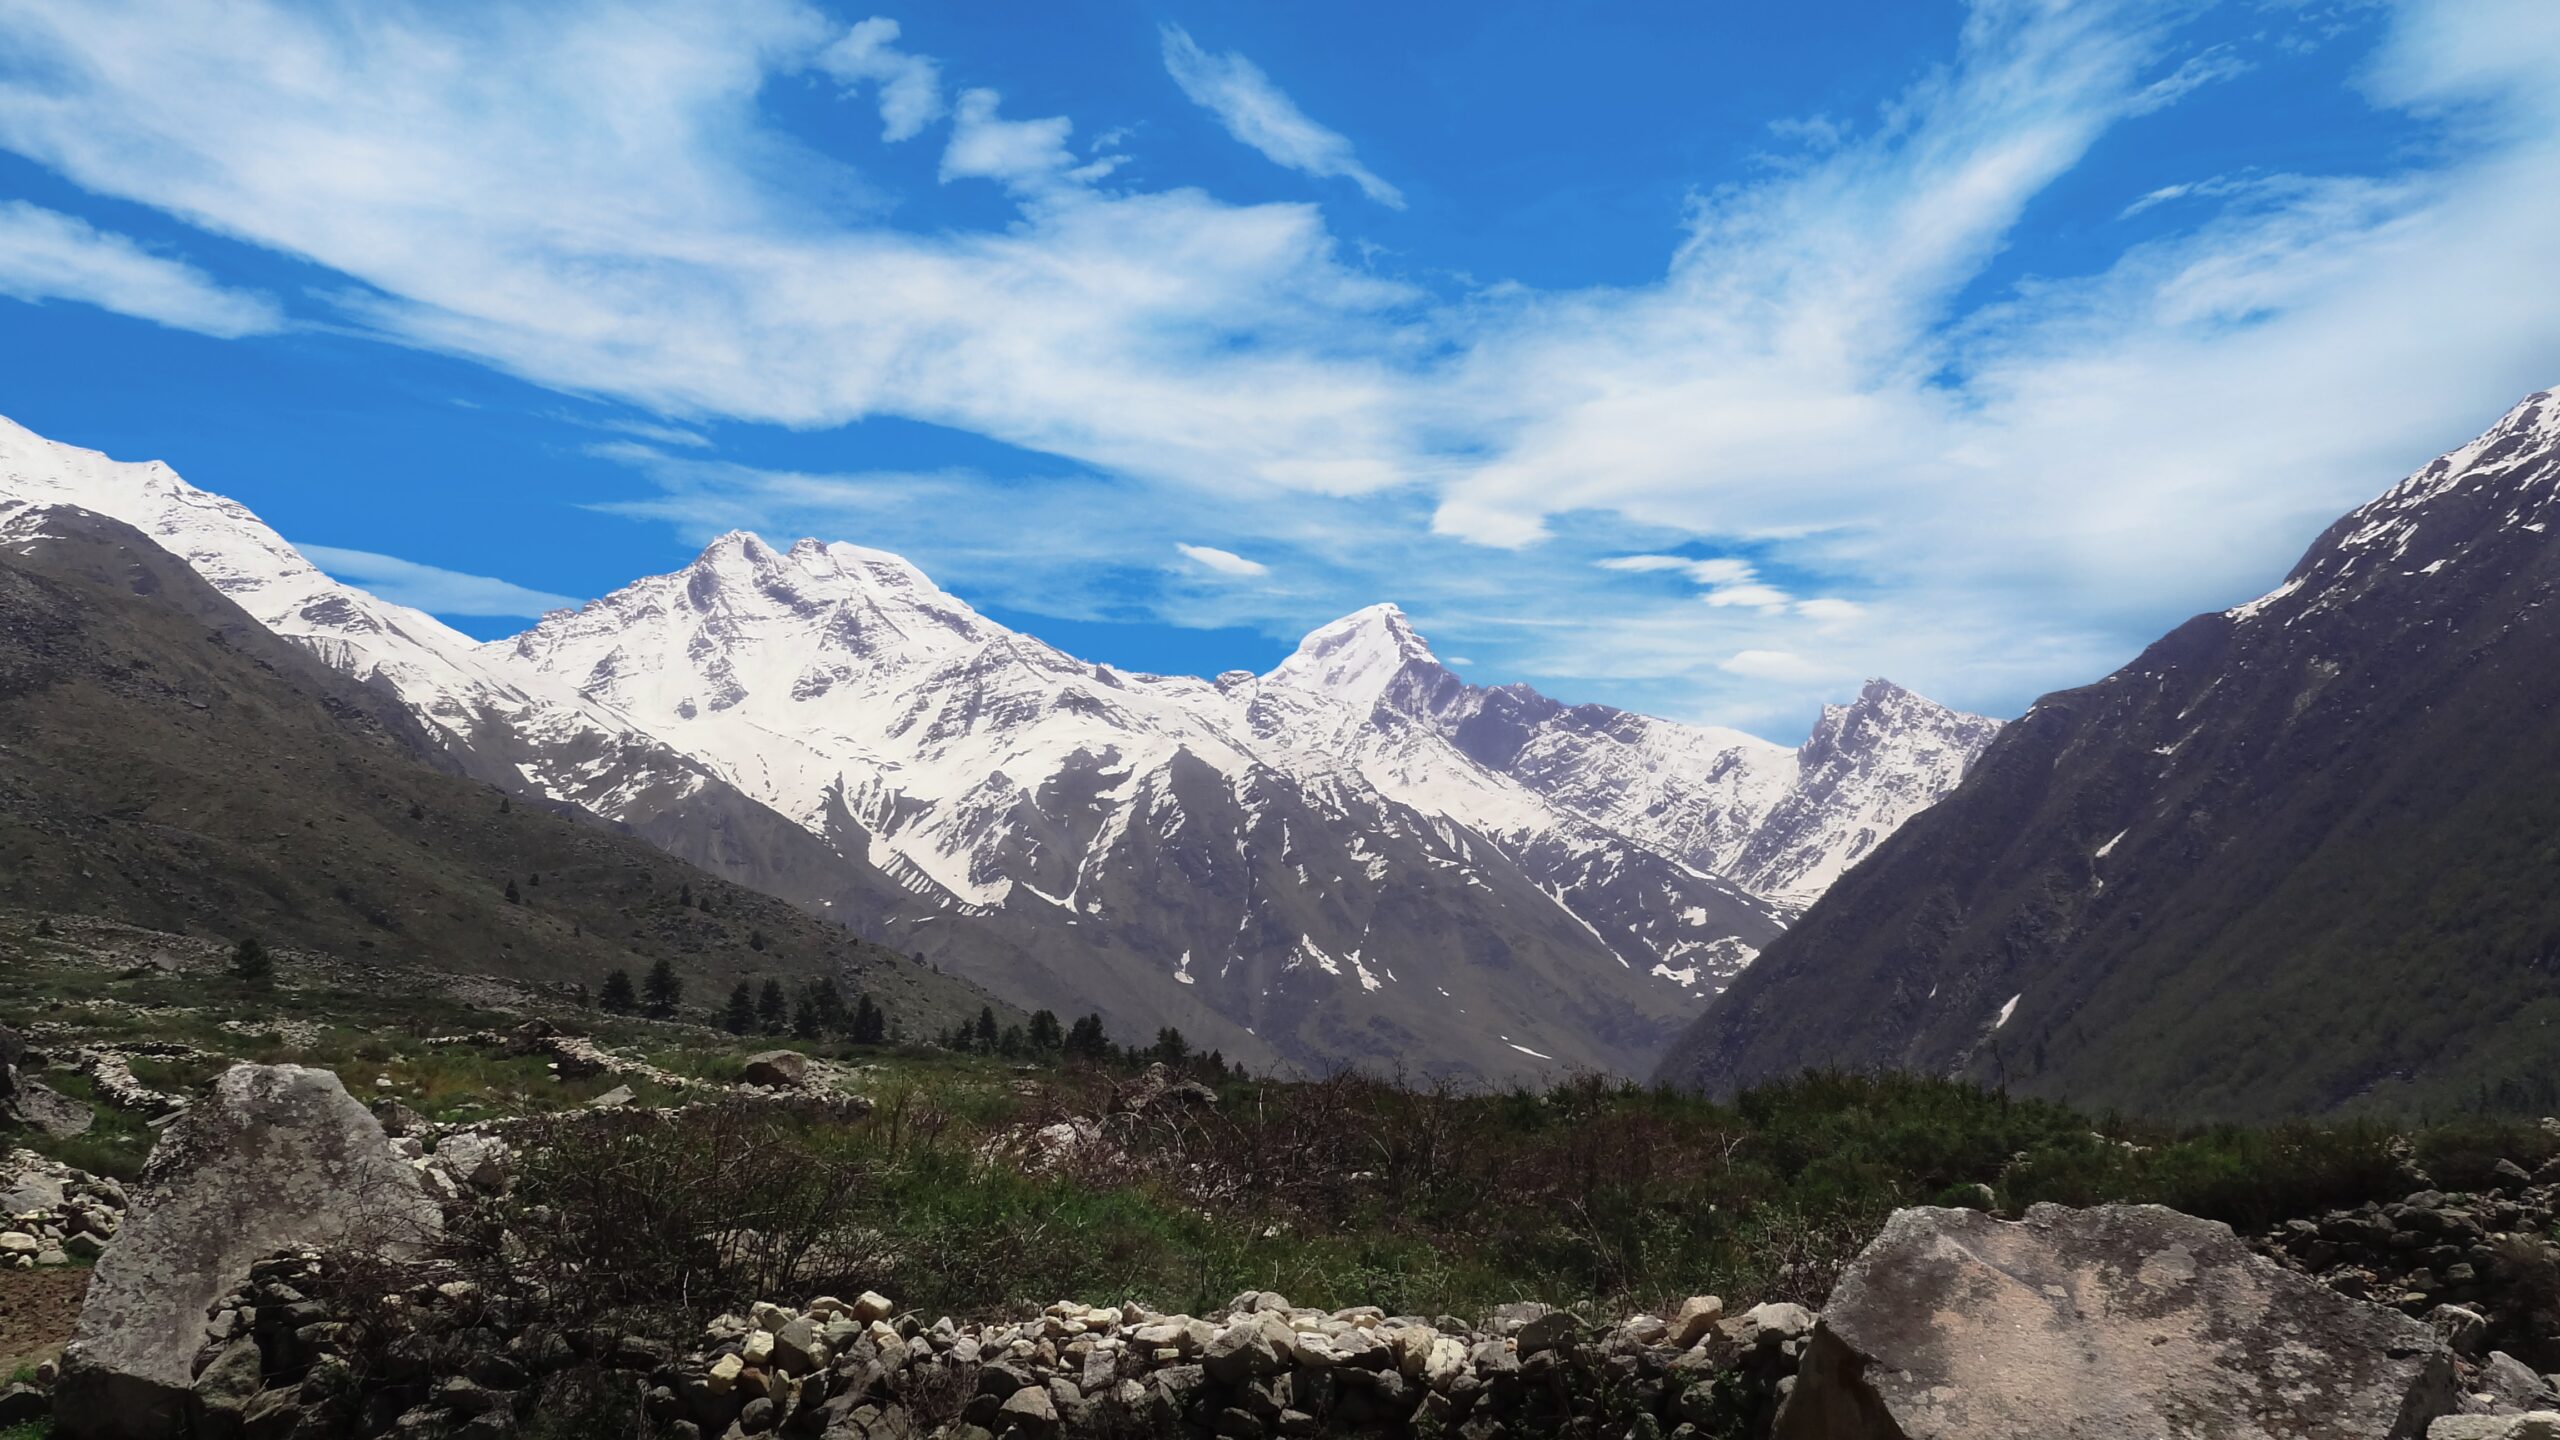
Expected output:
(166, 760)
(2298, 856)
(1355, 859)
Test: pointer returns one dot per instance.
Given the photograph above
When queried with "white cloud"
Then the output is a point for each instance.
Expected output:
(910, 86)
(1224, 562)
(46, 255)
(2018, 483)
(1025, 154)
(1261, 115)
(430, 588)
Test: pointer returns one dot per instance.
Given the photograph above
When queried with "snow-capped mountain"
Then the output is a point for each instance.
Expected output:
(510, 728)
(2295, 856)
(1781, 824)
(1278, 855)
(1354, 858)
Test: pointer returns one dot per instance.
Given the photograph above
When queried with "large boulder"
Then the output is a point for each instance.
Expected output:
(778, 1069)
(278, 1157)
(2127, 1322)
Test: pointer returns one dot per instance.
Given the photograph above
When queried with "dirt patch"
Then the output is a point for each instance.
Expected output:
(37, 1310)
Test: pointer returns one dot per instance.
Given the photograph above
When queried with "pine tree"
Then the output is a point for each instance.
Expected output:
(986, 1033)
(773, 1007)
(805, 1022)
(663, 991)
(1011, 1043)
(829, 1004)
(740, 1017)
(250, 960)
(1045, 1037)
(514, 895)
(417, 811)
(1087, 1041)
(684, 897)
(617, 996)
(755, 940)
(506, 804)
(870, 1027)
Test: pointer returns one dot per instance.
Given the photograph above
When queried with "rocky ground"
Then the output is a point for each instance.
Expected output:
(658, 1230)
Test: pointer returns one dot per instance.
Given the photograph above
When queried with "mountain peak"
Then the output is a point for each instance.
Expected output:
(1356, 657)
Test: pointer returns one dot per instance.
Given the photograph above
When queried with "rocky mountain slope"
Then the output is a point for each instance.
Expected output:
(2295, 857)
(1355, 858)
(166, 760)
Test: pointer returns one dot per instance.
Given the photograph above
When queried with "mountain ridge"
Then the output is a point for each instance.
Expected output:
(2183, 887)
(824, 722)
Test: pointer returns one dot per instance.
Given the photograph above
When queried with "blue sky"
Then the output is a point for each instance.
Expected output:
(1698, 358)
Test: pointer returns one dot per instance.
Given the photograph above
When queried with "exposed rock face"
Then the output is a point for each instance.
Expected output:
(278, 1156)
(2122, 1322)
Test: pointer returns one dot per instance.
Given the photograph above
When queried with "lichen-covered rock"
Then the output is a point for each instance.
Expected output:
(278, 1156)
(2127, 1322)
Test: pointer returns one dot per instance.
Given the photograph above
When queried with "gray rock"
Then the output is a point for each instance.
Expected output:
(397, 1119)
(30, 1182)
(778, 1069)
(48, 1111)
(2124, 1322)
(2541, 1425)
(1546, 1332)
(613, 1099)
(2511, 1385)
(277, 1157)
(1031, 1408)
(2460, 1326)
(1257, 1345)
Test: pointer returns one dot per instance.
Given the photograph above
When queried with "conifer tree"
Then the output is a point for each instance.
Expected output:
(514, 896)
(986, 1032)
(250, 960)
(1087, 1041)
(662, 991)
(870, 1027)
(740, 1016)
(1044, 1035)
(617, 996)
(773, 1007)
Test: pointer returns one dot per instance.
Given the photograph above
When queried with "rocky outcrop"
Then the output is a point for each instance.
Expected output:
(2446, 1254)
(52, 1214)
(275, 1156)
(2121, 1322)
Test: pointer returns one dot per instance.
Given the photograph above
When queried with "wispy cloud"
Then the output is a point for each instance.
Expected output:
(431, 588)
(46, 255)
(1223, 562)
(1260, 114)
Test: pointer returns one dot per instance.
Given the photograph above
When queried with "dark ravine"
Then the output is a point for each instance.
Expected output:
(2295, 858)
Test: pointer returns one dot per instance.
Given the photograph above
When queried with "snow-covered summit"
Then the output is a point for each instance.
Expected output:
(1354, 857)
(1356, 658)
